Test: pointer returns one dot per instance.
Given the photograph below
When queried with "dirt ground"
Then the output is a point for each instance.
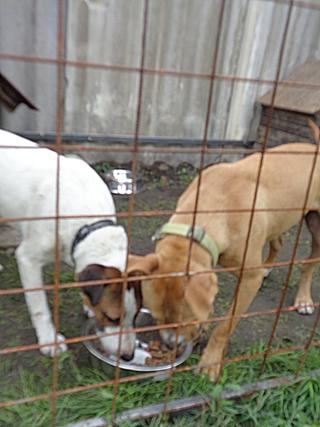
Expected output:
(161, 188)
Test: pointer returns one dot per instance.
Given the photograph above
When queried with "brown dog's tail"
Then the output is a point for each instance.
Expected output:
(315, 130)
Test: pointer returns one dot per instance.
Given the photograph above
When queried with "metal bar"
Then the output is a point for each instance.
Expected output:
(314, 328)
(92, 422)
(129, 139)
(154, 213)
(60, 52)
(310, 340)
(196, 402)
(153, 71)
(72, 285)
(206, 125)
(134, 167)
(105, 148)
(215, 54)
(263, 150)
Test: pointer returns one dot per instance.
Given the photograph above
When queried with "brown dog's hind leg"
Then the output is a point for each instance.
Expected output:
(275, 246)
(211, 360)
(303, 301)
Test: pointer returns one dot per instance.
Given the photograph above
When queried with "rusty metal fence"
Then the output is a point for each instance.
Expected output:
(56, 287)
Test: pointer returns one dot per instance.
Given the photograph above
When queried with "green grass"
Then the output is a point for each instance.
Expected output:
(185, 176)
(297, 405)
(103, 167)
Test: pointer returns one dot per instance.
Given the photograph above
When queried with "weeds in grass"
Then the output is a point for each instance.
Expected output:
(9, 275)
(185, 175)
(103, 167)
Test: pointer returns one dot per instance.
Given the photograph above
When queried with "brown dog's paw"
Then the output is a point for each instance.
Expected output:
(213, 373)
(304, 306)
(210, 366)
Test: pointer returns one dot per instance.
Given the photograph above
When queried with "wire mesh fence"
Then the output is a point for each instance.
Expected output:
(133, 212)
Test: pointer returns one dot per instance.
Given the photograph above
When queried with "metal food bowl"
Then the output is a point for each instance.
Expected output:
(120, 181)
(108, 364)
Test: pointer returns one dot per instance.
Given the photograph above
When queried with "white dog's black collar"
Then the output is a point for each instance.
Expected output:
(86, 230)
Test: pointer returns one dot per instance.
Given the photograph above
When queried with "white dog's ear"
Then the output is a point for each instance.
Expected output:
(200, 293)
(142, 265)
(96, 272)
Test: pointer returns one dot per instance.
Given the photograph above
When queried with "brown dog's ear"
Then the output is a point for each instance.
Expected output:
(142, 265)
(315, 130)
(200, 294)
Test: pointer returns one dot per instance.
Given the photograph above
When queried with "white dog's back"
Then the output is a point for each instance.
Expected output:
(32, 172)
(12, 140)
(29, 183)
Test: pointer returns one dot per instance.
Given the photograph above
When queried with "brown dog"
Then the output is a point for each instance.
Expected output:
(223, 235)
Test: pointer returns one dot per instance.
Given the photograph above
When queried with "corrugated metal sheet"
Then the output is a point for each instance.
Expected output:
(181, 36)
(30, 28)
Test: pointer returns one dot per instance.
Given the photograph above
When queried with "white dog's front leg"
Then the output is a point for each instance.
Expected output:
(31, 277)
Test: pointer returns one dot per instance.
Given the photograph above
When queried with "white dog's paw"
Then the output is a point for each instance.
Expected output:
(304, 307)
(51, 350)
(88, 312)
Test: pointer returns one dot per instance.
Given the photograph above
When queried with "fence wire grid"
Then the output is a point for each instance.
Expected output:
(56, 287)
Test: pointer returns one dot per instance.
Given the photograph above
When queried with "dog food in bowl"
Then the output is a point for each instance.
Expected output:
(159, 354)
(150, 354)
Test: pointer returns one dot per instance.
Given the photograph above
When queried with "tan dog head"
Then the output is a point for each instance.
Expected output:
(175, 299)
(105, 301)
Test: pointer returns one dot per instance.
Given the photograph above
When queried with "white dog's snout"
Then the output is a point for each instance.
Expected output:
(170, 338)
(110, 340)
(114, 337)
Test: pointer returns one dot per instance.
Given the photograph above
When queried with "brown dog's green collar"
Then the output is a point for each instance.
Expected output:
(199, 235)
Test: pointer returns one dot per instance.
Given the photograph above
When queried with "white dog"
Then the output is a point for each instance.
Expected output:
(96, 247)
